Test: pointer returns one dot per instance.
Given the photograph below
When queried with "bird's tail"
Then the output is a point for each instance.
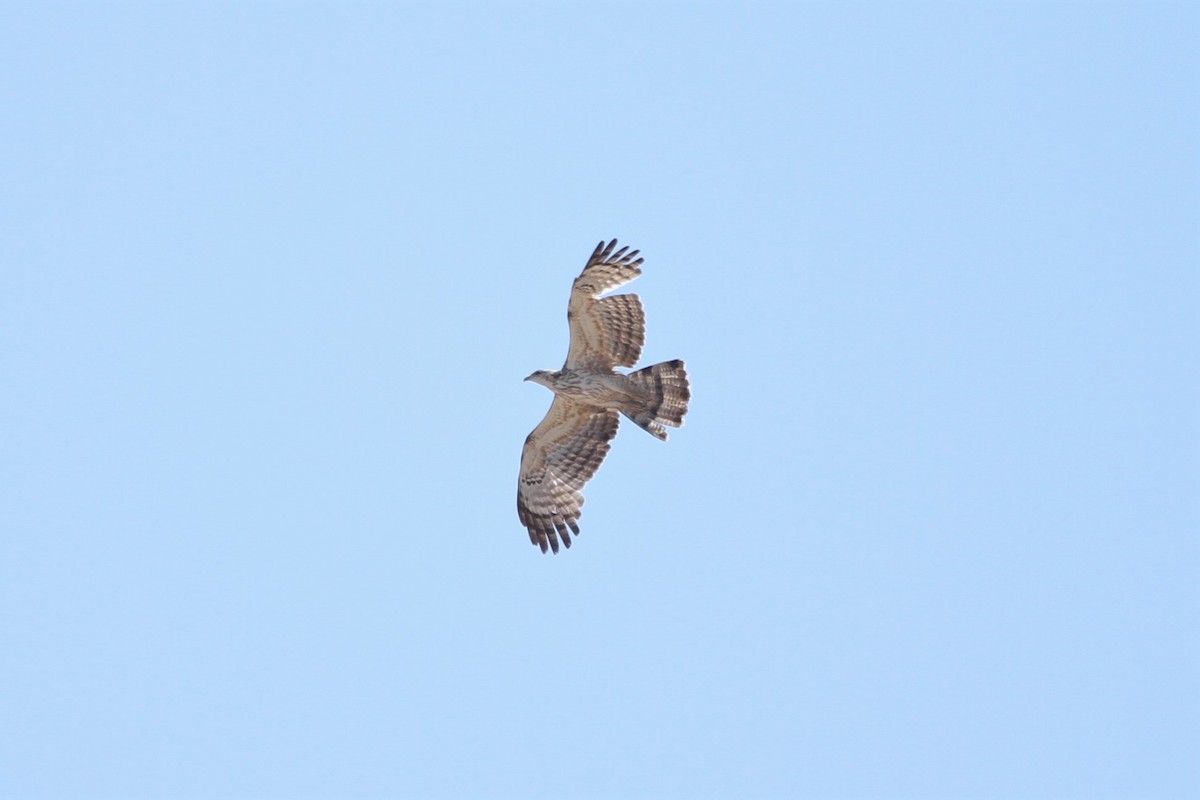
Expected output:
(668, 391)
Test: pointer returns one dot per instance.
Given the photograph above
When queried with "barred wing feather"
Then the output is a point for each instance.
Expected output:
(560, 456)
(606, 332)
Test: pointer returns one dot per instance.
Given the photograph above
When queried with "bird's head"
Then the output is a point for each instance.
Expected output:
(542, 376)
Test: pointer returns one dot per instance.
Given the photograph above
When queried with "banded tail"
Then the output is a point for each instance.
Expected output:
(668, 389)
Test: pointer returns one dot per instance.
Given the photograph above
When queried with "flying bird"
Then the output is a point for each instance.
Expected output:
(564, 451)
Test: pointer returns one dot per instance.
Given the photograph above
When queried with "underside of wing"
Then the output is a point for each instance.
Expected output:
(606, 332)
(560, 457)
(607, 270)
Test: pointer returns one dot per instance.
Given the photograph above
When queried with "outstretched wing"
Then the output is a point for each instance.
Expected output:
(609, 332)
(560, 456)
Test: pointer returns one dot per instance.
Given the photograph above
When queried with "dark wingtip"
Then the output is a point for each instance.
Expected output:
(601, 252)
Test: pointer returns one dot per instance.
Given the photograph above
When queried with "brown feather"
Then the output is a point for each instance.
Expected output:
(560, 457)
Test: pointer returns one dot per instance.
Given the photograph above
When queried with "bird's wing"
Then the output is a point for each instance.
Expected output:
(560, 456)
(608, 332)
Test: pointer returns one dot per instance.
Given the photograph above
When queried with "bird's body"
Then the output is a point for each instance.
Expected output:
(565, 450)
(595, 389)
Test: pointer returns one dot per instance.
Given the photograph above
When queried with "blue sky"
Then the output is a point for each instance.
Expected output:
(271, 275)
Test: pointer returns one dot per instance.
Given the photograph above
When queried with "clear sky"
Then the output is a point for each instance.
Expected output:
(271, 275)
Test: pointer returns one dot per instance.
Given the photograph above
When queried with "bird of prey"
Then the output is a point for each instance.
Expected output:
(565, 450)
